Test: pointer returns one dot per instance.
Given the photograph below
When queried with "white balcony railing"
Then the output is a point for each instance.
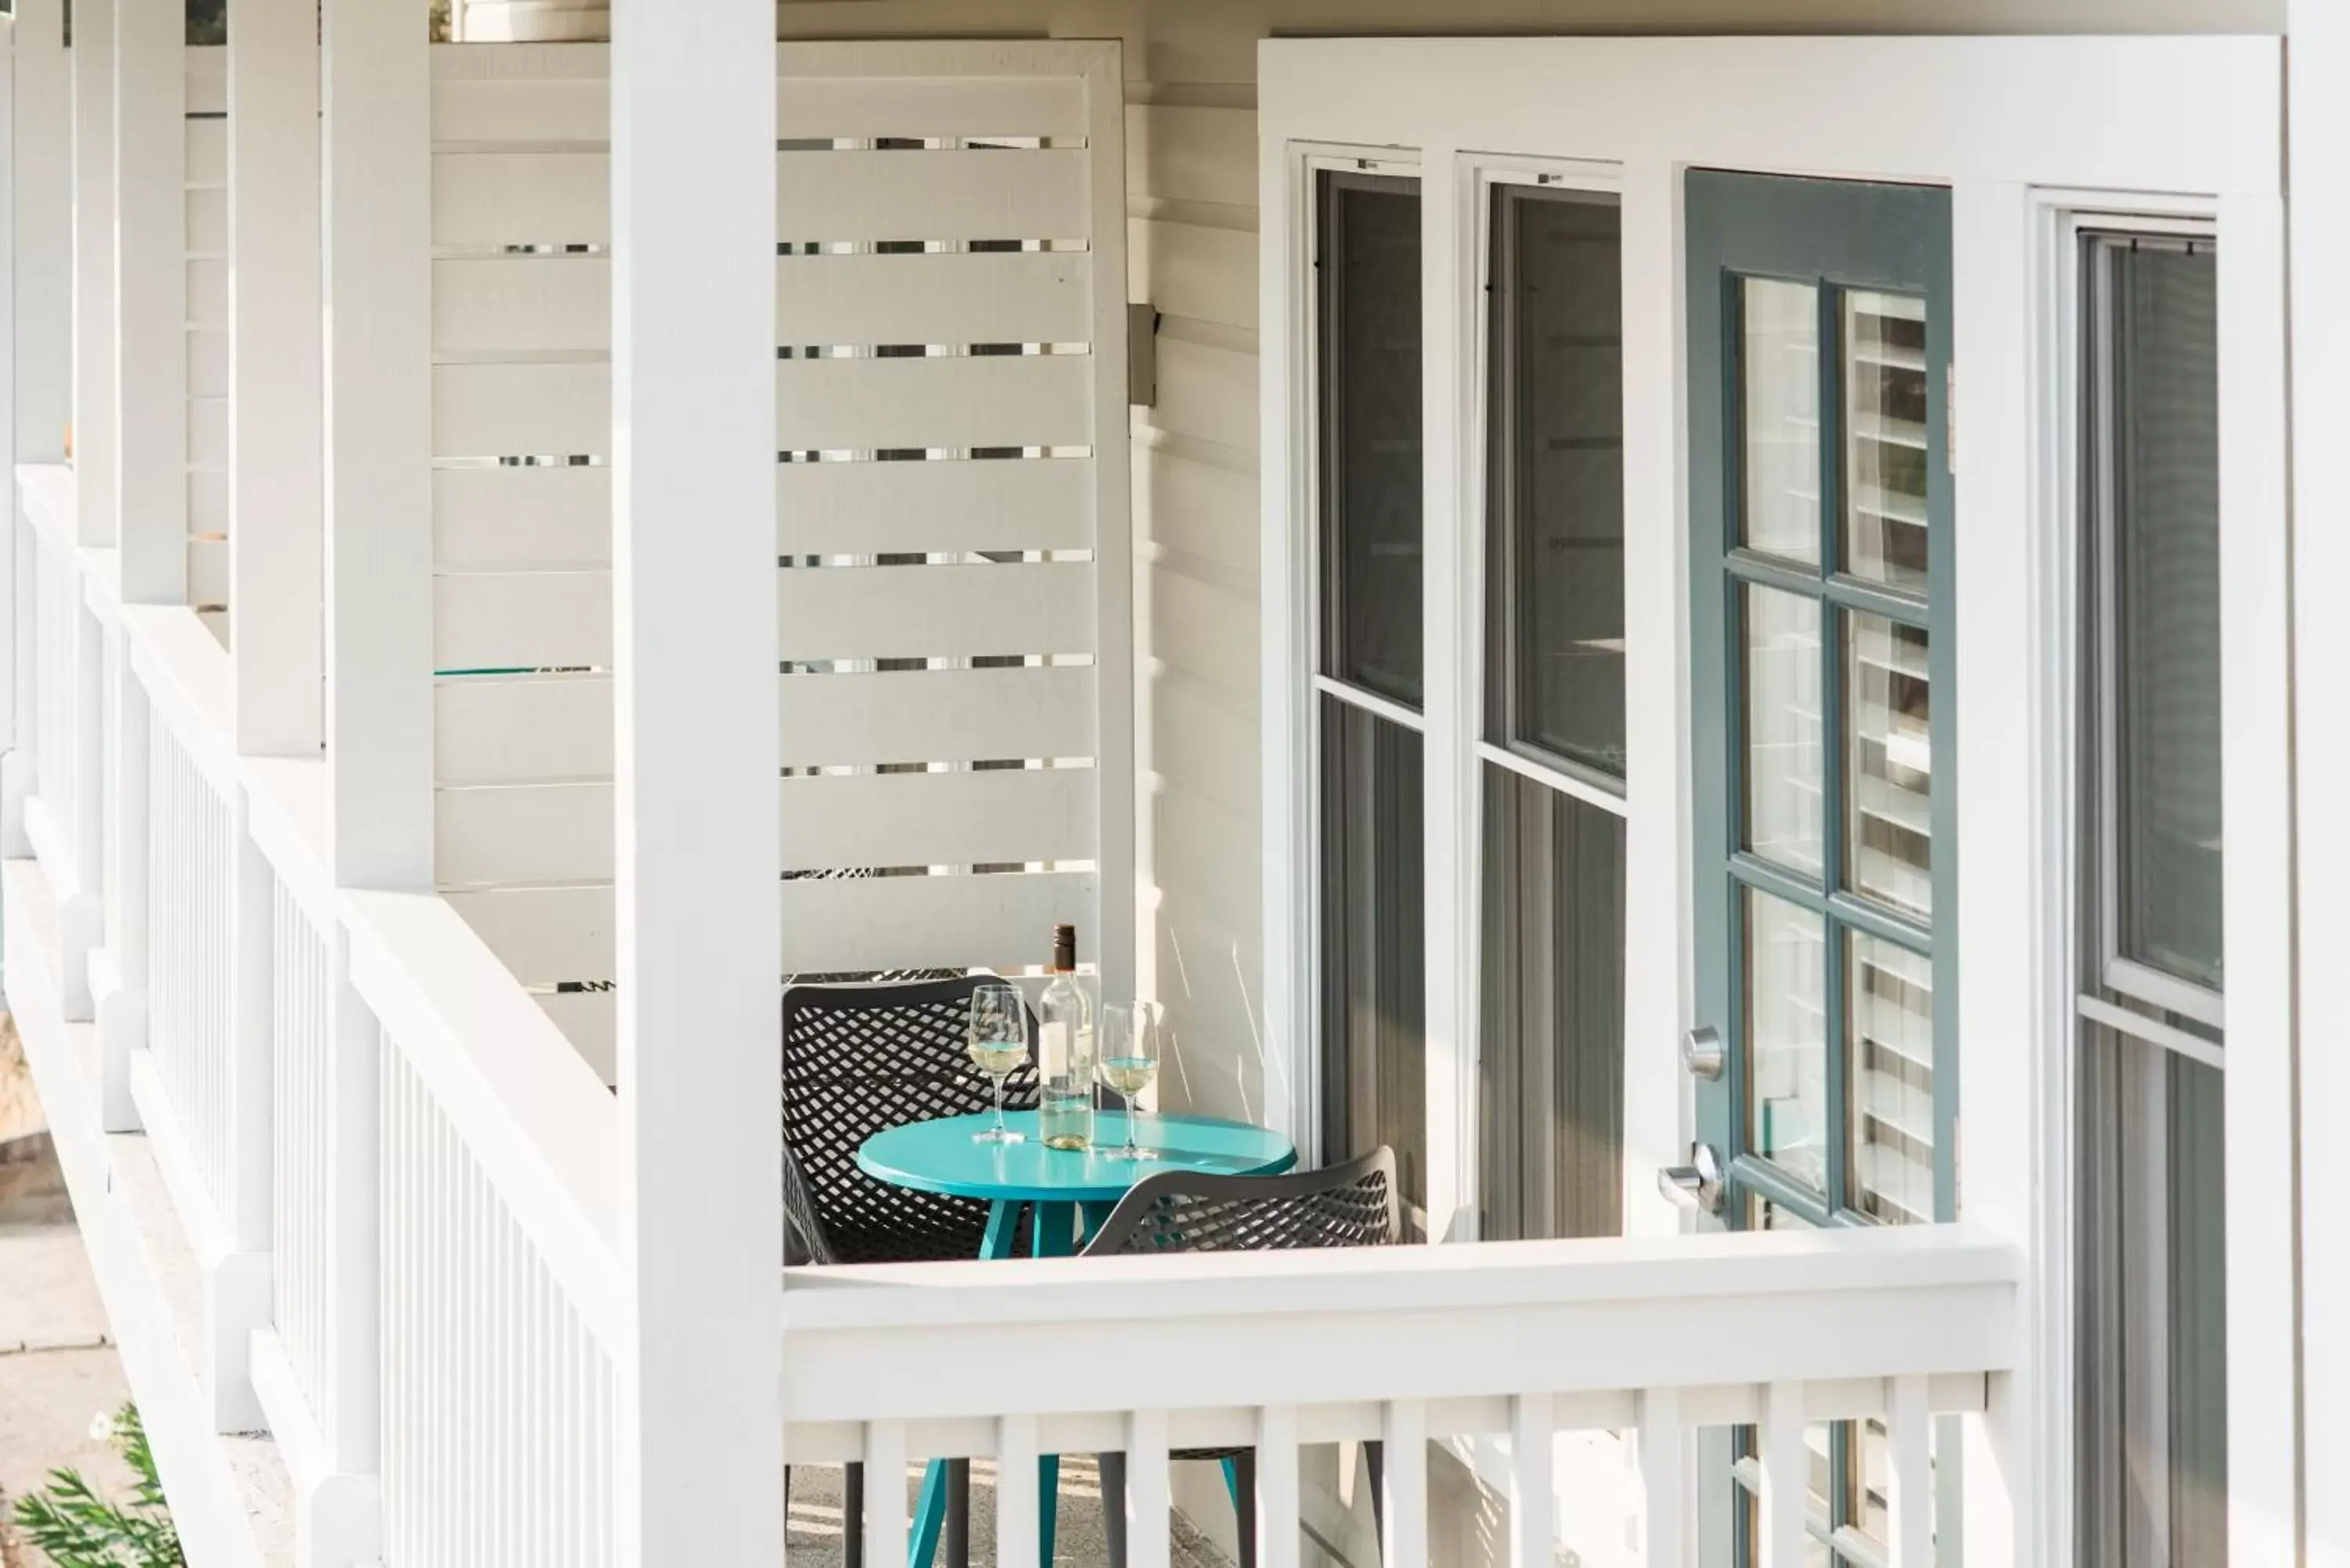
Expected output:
(391, 1170)
(1500, 1346)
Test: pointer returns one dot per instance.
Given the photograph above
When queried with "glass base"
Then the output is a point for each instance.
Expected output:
(1127, 1153)
(999, 1134)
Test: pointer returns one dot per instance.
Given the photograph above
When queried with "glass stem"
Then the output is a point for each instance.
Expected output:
(1132, 1149)
(999, 1103)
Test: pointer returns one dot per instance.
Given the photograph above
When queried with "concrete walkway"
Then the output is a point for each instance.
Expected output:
(58, 1369)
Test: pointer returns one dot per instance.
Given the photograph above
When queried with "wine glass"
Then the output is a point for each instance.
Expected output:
(1127, 1062)
(998, 1040)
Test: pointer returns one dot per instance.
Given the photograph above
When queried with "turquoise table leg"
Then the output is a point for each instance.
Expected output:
(1094, 1214)
(1056, 1228)
(930, 1507)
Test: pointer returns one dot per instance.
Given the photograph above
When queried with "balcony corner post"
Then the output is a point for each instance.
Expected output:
(699, 1461)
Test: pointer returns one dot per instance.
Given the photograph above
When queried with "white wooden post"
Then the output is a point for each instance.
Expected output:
(151, 422)
(1663, 1456)
(698, 912)
(2318, 141)
(93, 262)
(42, 276)
(42, 141)
(275, 348)
(237, 1283)
(376, 158)
(1786, 1465)
(151, 301)
(8, 663)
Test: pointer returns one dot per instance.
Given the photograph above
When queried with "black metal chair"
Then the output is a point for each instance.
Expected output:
(859, 1059)
(1351, 1205)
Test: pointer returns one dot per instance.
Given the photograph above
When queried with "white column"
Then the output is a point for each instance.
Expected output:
(41, 118)
(93, 268)
(699, 916)
(2318, 137)
(275, 348)
(150, 306)
(151, 423)
(375, 95)
(43, 252)
(378, 433)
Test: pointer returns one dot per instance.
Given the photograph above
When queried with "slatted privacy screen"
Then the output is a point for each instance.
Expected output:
(953, 590)
(522, 510)
(208, 263)
(952, 535)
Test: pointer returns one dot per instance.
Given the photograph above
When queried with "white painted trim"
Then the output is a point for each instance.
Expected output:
(2317, 60)
(2264, 1485)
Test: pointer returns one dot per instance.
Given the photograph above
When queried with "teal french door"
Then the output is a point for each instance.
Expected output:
(1823, 657)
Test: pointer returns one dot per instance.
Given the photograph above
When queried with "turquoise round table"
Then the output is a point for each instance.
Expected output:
(1072, 1191)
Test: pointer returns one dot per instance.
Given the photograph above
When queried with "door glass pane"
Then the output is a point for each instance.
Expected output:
(1783, 805)
(1374, 947)
(2152, 1384)
(1884, 438)
(1371, 397)
(1890, 1045)
(1786, 1036)
(1551, 1068)
(1558, 486)
(2164, 438)
(1779, 399)
(1889, 763)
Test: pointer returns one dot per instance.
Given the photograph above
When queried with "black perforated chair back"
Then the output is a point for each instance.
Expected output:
(1350, 1205)
(859, 1059)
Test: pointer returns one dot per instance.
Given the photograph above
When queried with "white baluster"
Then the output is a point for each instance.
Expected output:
(1405, 1545)
(885, 1495)
(1664, 1468)
(1146, 1489)
(1015, 1492)
(1533, 1437)
(1786, 1482)
(1909, 1485)
(1276, 1487)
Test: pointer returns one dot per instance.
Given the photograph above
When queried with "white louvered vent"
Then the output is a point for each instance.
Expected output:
(953, 574)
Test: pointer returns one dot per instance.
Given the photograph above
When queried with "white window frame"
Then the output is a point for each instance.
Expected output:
(2017, 128)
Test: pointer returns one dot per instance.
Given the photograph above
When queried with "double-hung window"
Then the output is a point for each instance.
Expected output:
(1551, 766)
(1374, 947)
(2150, 1301)
(1541, 751)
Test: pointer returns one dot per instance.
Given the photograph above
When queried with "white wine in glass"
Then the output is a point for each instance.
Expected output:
(1128, 1063)
(998, 1042)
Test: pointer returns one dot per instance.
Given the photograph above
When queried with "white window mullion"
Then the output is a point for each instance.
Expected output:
(1448, 674)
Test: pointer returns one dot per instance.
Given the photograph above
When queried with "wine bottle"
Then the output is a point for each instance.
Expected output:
(1065, 1050)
